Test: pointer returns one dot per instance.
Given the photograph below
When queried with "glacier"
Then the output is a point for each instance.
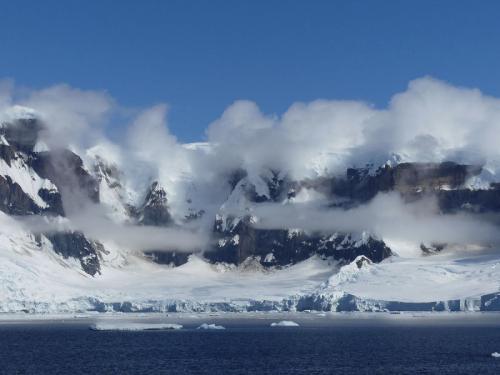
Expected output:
(39, 281)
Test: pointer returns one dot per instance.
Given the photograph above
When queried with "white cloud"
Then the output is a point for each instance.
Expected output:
(74, 117)
(6, 87)
(386, 216)
(306, 140)
(430, 121)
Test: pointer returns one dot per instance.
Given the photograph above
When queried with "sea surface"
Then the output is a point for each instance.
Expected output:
(320, 345)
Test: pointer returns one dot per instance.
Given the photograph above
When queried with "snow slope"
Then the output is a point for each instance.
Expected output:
(27, 179)
(424, 279)
(36, 279)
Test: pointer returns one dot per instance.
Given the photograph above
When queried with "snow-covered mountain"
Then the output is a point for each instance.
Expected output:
(85, 230)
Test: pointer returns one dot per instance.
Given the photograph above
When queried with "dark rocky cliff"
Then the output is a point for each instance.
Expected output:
(65, 170)
(237, 239)
(75, 245)
(286, 247)
(412, 180)
(154, 211)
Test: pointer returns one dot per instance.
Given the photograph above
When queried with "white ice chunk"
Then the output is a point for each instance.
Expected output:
(210, 326)
(284, 323)
(127, 326)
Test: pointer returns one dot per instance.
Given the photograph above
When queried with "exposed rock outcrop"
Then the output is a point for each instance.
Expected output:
(154, 210)
(75, 245)
(238, 239)
(13, 199)
(412, 180)
(65, 169)
(50, 173)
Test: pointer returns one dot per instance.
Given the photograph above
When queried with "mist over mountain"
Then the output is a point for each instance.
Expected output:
(332, 205)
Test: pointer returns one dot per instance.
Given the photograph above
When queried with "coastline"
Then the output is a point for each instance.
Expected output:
(263, 319)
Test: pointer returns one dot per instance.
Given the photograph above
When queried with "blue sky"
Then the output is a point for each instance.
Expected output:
(200, 56)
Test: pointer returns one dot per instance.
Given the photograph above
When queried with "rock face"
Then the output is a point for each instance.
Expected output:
(416, 180)
(75, 245)
(65, 169)
(168, 257)
(286, 247)
(154, 210)
(474, 201)
(22, 134)
(44, 175)
(412, 180)
(14, 201)
(238, 240)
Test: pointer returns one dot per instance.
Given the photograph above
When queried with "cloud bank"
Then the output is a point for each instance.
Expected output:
(93, 221)
(431, 121)
(386, 216)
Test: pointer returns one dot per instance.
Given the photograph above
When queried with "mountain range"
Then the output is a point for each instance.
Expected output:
(82, 232)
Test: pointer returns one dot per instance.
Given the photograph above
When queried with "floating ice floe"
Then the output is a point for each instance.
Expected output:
(210, 326)
(495, 355)
(284, 323)
(119, 326)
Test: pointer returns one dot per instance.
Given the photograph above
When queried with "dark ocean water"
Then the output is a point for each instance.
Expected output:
(74, 349)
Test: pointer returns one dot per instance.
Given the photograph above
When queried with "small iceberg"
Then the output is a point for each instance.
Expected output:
(210, 326)
(284, 323)
(119, 326)
(495, 355)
